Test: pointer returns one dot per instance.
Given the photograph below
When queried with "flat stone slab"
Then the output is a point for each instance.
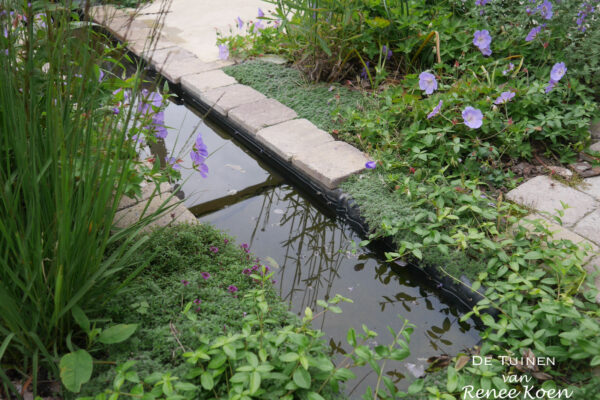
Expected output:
(158, 58)
(560, 233)
(595, 130)
(175, 68)
(139, 46)
(226, 98)
(147, 190)
(293, 137)
(591, 186)
(589, 227)
(330, 163)
(198, 83)
(105, 13)
(178, 214)
(260, 114)
(590, 268)
(544, 194)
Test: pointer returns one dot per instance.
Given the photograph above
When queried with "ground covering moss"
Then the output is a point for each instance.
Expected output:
(183, 257)
(379, 205)
(318, 103)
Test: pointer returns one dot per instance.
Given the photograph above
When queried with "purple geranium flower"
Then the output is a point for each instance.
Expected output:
(508, 69)
(214, 249)
(370, 164)
(482, 39)
(247, 271)
(545, 9)
(504, 97)
(258, 25)
(533, 33)
(240, 23)
(427, 82)
(232, 289)
(198, 156)
(223, 52)
(436, 110)
(184, 282)
(363, 74)
(558, 71)
(486, 52)
(387, 52)
(260, 13)
(172, 161)
(197, 301)
(473, 117)
(205, 275)
(550, 86)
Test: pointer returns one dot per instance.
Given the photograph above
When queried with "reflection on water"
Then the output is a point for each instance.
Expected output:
(318, 256)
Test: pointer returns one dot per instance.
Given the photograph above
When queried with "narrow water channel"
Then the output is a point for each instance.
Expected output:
(317, 254)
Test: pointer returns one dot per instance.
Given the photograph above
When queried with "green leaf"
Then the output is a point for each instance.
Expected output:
(206, 380)
(314, 396)
(351, 337)
(302, 378)
(81, 319)
(76, 369)
(289, 357)
(452, 383)
(416, 387)
(117, 333)
(254, 382)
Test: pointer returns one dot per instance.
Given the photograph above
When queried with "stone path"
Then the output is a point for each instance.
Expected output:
(580, 221)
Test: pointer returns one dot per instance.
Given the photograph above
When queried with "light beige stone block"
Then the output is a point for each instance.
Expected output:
(176, 214)
(260, 114)
(330, 163)
(293, 137)
(196, 84)
(544, 194)
(227, 98)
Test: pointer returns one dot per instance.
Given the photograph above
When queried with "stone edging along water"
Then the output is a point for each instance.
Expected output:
(308, 156)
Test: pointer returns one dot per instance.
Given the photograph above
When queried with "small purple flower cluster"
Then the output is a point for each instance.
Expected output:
(508, 69)
(150, 105)
(387, 52)
(214, 249)
(198, 156)
(586, 9)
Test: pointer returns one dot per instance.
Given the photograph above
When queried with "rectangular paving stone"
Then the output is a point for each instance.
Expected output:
(330, 163)
(174, 68)
(139, 46)
(226, 98)
(595, 130)
(293, 137)
(260, 114)
(177, 214)
(105, 13)
(589, 227)
(591, 186)
(560, 233)
(544, 194)
(198, 83)
(591, 268)
(158, 58)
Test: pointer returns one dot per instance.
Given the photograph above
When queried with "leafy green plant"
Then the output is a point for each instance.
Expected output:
(67, 160)
(260, 362)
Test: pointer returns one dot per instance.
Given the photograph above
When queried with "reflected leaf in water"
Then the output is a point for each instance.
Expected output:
(359, 266)
(395, 375)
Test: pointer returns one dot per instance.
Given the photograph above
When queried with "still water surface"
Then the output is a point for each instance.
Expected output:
(318, 255)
